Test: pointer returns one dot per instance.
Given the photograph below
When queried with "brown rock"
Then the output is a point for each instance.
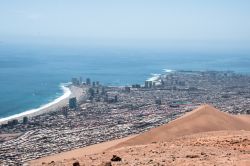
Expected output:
(116, 158)
(192, 156)
(106, 164)
(52, 163)
(76, 163)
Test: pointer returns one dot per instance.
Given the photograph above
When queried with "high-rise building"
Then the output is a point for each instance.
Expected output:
(75, 81)
(136, 86)
(72, 103)
(80, 80)
(127, 89)
(91, 92)
(148, 84)
(65, 111)
(12, 122)
(25, 120)
(154, 84)
(88, 81)
(103, 91)
(116, 98)
(106, 98)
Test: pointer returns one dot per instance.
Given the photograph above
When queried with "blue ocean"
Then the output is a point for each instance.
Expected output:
(31, 76)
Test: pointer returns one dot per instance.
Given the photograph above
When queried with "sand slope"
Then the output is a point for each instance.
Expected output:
(203, 119)
(204, 136)
(77, 153)
(220, 148)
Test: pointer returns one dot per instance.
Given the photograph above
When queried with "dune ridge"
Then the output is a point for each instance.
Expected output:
(204, 136)
(203, 119)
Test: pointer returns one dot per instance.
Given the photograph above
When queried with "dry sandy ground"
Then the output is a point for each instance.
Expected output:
(78, 153)
(202, 119)
(204, 136)
(211, 148)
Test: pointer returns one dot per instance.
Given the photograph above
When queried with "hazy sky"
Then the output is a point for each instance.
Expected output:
(118, 20)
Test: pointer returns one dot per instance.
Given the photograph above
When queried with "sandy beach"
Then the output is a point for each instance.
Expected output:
(70, 91)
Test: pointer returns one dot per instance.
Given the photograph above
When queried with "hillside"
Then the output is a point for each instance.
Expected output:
(204, 136)
(203, 119)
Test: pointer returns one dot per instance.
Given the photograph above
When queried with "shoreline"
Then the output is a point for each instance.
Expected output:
(135, 111)
(68, 91)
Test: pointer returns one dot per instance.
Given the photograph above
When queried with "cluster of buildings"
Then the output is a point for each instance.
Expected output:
(108, 113)
(79, 81)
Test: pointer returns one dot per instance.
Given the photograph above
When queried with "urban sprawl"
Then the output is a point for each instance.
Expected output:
(107, 113)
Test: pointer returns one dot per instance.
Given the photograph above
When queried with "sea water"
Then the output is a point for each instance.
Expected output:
(32, 77)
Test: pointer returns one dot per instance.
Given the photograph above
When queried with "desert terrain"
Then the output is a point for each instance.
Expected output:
(204, 136)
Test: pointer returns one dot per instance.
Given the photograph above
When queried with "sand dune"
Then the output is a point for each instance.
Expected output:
(203, 119)
(204, 136)
(220, 148)
(77, 153)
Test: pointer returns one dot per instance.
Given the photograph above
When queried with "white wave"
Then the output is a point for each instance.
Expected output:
(66, 94)
(168, 70)
(154, 77)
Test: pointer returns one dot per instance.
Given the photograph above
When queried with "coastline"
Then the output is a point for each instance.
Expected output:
(134, 112)
(68, 91)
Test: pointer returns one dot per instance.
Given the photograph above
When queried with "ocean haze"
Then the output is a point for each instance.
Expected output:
(126, 22)
(45, 43)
